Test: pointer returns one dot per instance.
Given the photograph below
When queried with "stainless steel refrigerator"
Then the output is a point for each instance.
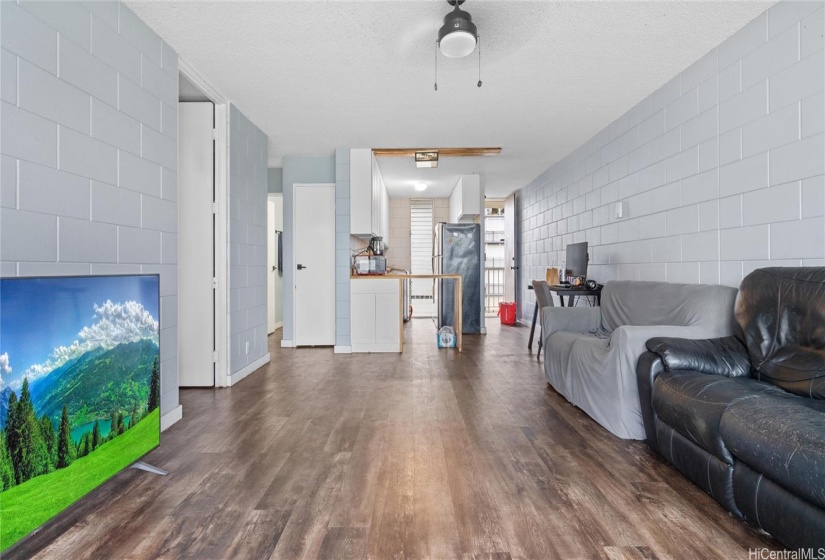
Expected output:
(457, 249)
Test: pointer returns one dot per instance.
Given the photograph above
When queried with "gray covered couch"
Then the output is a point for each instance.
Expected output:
(590, 353)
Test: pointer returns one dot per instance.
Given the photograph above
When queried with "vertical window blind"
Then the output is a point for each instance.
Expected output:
(421, 246)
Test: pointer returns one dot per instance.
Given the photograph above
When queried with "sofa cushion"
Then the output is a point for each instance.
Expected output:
(663, 303)
(780, 314)
(783, 437)
(693, 403)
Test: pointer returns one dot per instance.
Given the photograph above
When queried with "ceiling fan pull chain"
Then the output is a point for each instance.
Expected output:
(479, 61)
(436, 65)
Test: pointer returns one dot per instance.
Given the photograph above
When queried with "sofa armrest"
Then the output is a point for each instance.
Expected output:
(717, 356)
(633, 338)
(570, 319)
(647, 368)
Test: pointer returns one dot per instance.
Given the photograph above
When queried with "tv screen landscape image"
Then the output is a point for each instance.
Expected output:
(79, 390)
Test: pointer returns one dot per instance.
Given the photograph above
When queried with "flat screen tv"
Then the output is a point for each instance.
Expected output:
(79, 390)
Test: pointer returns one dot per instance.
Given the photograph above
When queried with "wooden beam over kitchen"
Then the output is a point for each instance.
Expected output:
(442, 152)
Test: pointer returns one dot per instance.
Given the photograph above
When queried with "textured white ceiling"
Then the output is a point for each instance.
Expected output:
(316, 75)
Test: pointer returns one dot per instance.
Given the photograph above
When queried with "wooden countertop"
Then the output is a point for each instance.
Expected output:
(397, 276)
(457, 287)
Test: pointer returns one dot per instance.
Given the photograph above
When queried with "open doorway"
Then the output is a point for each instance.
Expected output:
(494, 256)
(511, 267)
(201, 312)
(275, 270)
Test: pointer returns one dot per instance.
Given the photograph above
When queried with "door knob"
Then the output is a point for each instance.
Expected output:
(301, 267)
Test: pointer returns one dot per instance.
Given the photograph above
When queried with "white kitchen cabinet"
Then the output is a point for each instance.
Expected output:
(466, 200)
(376, 196)
(382, 204)
(385, 214)
(361, 192)
(369, 202)
(376, 315)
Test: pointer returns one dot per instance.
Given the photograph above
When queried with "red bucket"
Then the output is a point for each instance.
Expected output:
(507, 312)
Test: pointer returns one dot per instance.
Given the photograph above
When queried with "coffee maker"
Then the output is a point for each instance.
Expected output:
(377, 246)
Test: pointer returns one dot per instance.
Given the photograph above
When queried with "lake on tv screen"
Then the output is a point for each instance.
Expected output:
(79, 390)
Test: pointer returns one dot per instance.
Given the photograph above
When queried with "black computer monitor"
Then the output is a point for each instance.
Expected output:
(577, 258)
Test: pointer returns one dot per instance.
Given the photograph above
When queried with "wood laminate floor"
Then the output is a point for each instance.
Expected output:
(429, 454)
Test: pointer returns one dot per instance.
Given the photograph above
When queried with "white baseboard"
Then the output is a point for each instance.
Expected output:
(376, 349)
(277, 326)
(287, 344)
(246, 370)
(171, 417)
(342, 350)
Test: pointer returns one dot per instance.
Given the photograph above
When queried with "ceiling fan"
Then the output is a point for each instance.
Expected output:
(458, 37)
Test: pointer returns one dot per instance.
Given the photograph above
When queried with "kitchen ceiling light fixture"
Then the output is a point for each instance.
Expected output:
(421, 187)
(457, 38)
(426, 159)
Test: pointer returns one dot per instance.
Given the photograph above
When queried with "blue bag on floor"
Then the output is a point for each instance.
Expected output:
(446, 337)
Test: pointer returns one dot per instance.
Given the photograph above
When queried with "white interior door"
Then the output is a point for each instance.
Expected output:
(196, 303)
(314, 252)
(275, 280)
(510, 248)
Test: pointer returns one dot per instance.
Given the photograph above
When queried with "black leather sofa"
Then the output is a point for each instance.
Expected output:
(743, 417)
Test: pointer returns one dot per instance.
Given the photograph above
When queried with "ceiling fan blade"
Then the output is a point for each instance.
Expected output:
(414, 37)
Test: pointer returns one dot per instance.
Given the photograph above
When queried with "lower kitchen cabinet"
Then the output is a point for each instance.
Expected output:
(376, 315)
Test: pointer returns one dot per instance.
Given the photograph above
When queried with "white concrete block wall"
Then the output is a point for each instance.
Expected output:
(88, 169)
(343, 338)
(720, 171)
(247, 241)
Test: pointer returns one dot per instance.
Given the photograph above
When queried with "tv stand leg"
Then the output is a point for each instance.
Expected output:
(140, 465)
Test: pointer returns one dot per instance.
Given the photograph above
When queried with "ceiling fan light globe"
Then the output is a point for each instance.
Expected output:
(459, 35)
(457, 44)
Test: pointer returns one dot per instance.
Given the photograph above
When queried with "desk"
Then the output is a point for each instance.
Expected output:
(458, 291)
(561, 291)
